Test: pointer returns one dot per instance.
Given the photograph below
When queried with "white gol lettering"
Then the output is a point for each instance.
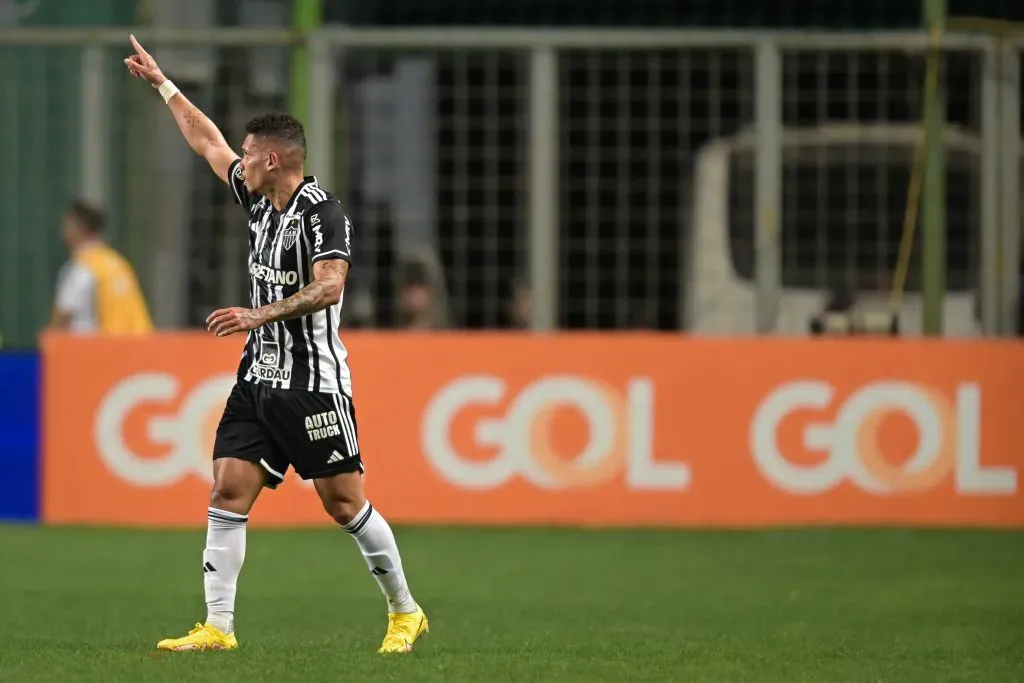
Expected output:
(189, 454)
(961, 434)
(512, 434)
(183, 433)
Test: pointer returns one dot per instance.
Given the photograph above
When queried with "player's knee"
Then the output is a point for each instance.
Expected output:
(233, 496)
(343, 510)
(236, 484)
(342, 496)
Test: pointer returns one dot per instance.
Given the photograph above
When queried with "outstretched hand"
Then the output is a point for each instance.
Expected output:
(227, 321)
(142, 65)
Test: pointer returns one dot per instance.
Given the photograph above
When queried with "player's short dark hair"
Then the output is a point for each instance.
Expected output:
(277, 126)
(88, 217)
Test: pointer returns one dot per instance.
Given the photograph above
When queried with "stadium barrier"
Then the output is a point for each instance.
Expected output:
(576, 429)
(19, 436)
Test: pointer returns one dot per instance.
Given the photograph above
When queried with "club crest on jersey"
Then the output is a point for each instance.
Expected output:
(290, 231)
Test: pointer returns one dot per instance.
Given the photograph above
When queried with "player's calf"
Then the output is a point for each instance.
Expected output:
(236, 485)
(343, 499)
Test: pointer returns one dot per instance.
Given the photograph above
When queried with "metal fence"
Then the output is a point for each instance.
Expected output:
(712, 181)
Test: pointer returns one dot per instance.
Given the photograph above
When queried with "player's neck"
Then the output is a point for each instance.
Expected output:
(283, 191)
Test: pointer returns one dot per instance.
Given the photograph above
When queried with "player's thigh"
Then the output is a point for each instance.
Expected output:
(243, 455)
(315, 432)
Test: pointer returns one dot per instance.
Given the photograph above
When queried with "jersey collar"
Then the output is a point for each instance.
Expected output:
(306, 180)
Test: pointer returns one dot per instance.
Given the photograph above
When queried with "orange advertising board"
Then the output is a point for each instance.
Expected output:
(580, 429)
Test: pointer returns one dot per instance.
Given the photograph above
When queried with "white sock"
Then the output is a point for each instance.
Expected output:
(377, 543)
(222, 561)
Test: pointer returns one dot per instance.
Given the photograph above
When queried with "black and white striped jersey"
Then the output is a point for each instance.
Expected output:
(304, 353)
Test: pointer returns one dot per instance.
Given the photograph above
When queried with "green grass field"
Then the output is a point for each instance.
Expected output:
(823, 606)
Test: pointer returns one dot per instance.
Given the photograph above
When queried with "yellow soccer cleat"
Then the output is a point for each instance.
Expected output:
(403, 630)
(202, 638)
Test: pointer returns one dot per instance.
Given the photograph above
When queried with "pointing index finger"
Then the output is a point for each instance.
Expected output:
(138, 46)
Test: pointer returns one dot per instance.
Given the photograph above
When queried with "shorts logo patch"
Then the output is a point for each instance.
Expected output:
(323, 425)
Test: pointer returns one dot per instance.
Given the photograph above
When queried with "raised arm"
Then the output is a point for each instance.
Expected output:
(202, 135)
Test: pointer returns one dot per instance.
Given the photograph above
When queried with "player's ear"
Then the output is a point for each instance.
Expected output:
(273, 160)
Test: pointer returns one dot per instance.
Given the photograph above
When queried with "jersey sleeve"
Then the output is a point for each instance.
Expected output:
(239, 192)
(75, 291)
(329, 231)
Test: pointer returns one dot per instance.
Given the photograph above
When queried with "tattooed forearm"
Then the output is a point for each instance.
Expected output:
(192, 116)
(324, 291)
(199, 131)
(309, 299)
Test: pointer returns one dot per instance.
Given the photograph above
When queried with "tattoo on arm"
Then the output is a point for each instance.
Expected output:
(316, 296)
(192, 116)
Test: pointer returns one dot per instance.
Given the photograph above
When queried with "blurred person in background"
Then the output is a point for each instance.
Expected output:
(421, 304)
(359, 312)
(97, 290)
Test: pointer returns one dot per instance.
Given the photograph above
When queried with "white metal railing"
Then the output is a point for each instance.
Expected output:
(1000, 122)
(502, 38)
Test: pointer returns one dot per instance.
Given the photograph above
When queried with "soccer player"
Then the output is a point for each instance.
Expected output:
(292, 402)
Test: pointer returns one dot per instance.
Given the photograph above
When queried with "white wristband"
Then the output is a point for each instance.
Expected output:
(168, 90)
